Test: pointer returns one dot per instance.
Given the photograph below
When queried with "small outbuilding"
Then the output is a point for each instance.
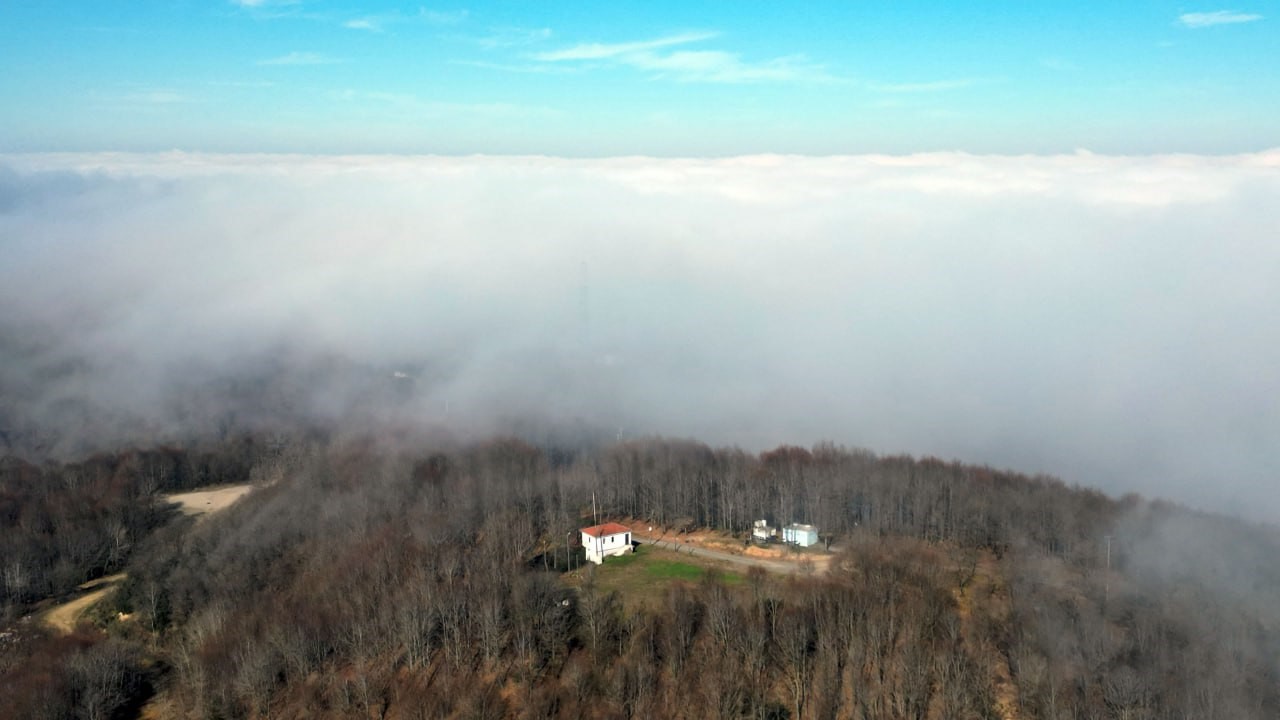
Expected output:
(761, 531)
(601, 541)
(799, 534)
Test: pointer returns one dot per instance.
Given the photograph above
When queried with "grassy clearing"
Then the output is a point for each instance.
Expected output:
(642, 577)
(661, 569)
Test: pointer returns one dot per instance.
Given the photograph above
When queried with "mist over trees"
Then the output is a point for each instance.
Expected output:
(373, 577)
(1101, 319)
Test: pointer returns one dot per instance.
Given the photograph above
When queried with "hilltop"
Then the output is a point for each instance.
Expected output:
(363, 578)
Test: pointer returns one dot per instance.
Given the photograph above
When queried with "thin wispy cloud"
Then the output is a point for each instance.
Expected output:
(601, 51)
(1198, 20)
(506, 37)
(1057, 63)
(300, 58)
(142, 99)
(366, 23)
(411, 105)
(686, 65)
(158, 96)
(443, 17)
(531, 68)
(263, 4)
(924, 87)
(242, 83)
(715, 66)
(384, 22)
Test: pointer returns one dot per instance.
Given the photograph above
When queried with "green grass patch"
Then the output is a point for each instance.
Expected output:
(673, 570)
(679, 570)
(643, 576)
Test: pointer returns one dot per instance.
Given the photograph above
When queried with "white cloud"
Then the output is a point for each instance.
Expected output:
(382, 22)
(601, 51)
(712, 66)
(242, 83)
(529, 67)
(1217, 17)
(1106, 319)
(724, 67)
(370, 24)
(264, 4)
(443, 17)
(300, 58)
(924, 87)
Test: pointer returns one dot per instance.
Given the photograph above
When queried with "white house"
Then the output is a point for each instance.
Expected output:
(802, 535)
(604, 540)
(761, 531)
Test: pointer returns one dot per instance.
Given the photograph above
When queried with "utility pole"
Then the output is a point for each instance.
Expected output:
(1106, 583)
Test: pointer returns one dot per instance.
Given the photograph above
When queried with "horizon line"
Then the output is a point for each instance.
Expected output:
(178, 152)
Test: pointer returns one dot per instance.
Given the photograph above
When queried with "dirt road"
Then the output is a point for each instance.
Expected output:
(801, 565)
(63, 617)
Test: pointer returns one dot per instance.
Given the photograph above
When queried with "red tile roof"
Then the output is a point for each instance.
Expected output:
(606, 529)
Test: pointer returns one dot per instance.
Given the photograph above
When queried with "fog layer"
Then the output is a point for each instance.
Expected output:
(1108, 320)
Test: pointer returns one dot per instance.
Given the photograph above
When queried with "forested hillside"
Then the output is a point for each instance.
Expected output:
(408, 580)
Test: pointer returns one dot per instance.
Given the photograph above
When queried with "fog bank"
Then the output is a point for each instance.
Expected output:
(1109, 320)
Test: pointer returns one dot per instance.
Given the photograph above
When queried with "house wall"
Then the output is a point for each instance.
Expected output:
(599, 548)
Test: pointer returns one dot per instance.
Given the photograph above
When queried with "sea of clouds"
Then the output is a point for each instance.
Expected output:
(1108, 320)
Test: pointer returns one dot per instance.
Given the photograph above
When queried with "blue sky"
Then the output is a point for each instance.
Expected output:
(648, 78)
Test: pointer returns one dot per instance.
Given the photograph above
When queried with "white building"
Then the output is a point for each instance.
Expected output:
(761, 531)
(604, 540)
(802, 535)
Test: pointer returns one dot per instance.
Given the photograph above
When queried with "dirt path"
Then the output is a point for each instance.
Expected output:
(202, 502)
(818, 564)
(996, 602)
(63, 617)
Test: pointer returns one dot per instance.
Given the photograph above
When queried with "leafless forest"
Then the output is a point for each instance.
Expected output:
(365, 578)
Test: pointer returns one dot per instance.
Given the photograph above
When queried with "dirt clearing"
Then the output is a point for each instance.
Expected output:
(201, 502)
(720, 545)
